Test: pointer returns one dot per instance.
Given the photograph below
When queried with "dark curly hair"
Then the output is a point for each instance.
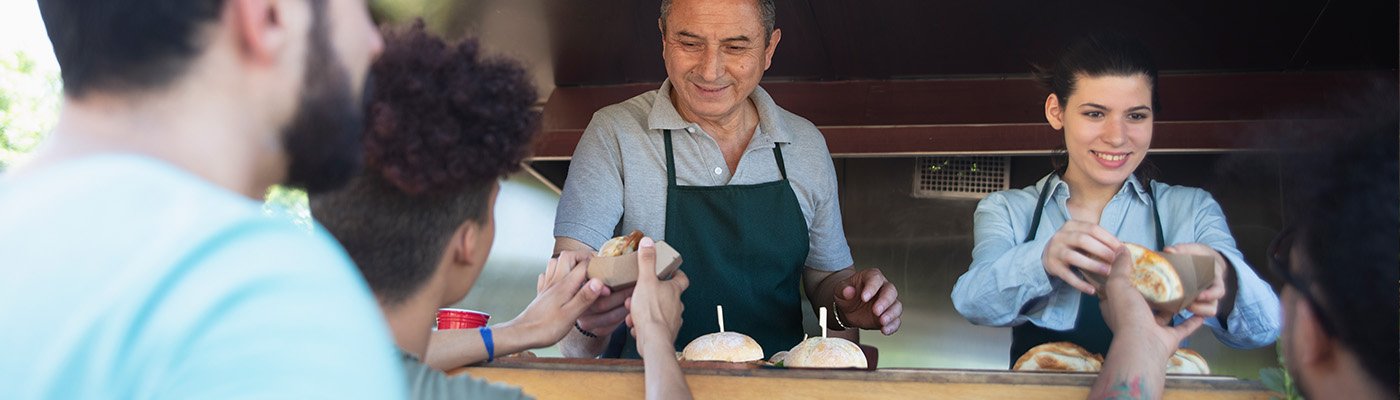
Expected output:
(445, 124)
(1347, 212)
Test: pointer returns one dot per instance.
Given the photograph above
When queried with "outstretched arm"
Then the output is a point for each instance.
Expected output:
(655, 316)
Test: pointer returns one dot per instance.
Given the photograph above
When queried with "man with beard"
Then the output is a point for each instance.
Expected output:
(1336, 261)
(137, 262)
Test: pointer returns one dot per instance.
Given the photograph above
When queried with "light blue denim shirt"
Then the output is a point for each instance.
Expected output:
(1007, 284)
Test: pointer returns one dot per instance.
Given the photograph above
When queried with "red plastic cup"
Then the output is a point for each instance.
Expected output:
(456, 318)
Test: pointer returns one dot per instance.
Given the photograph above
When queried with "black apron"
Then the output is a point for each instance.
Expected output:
(744, 247)
(1090, 331)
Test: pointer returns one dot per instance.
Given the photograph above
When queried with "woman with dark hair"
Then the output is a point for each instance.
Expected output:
(1032, 245)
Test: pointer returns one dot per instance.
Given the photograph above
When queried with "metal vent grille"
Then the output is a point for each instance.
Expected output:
(961, 177)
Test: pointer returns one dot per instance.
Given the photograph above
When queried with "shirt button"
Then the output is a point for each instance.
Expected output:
(719, 171)
(690, 129)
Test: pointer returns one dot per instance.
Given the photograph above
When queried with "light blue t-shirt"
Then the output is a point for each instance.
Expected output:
(124, 277)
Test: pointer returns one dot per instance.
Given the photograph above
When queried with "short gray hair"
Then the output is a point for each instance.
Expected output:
(766, 9)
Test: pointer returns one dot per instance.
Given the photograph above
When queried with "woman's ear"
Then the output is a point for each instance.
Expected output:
(1053, 114)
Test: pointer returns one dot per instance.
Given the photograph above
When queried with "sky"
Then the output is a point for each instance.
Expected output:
(22, 29)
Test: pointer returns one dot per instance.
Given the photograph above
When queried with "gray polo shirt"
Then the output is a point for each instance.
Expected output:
(617, 180)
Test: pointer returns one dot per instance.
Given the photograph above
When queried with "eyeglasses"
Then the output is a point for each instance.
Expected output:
(1280, 263)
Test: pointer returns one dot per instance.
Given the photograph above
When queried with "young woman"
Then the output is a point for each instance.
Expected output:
(1033, 244)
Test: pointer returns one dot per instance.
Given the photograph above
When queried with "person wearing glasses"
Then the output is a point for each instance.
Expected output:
(1337, 263)
(1032, 245)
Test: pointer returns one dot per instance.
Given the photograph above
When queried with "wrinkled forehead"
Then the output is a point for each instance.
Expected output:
(718, 20)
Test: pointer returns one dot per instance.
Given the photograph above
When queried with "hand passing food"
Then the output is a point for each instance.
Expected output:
(1081, 245)
(1207, 303)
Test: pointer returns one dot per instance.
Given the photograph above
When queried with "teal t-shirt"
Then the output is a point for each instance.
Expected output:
(124, 277)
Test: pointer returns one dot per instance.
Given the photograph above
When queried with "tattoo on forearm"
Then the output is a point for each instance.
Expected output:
(1135, 390)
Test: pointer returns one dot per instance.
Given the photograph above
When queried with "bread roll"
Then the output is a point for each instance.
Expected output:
(723, 346)
(1059, 356)
(830, 352)
(1187, 361)
(1154, 276)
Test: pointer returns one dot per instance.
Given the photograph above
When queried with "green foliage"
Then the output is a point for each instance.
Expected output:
(1278, 380)
(29, 100)
(284, 202)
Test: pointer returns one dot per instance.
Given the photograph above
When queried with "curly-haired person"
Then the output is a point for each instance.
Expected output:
(444, 125)
(1336, 259)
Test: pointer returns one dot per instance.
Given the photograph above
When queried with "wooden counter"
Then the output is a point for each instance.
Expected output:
(552, 378)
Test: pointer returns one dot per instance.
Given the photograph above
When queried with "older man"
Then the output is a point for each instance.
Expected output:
(745, 190)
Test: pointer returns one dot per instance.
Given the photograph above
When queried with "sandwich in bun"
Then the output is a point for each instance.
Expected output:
(825, 352)
(1154, 276)
(621, 245)
(723, 346)
(1059, 356)
(1187, 361)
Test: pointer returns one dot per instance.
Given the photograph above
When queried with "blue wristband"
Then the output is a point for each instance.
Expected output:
(490, 344)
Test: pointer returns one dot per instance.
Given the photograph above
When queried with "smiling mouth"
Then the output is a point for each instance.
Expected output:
(707, 90)
(1110, 156)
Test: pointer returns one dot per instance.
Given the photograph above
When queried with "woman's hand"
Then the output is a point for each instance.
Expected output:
(1081, 245)
(1207, 303)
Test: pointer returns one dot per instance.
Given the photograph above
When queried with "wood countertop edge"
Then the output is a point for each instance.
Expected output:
(918, 375)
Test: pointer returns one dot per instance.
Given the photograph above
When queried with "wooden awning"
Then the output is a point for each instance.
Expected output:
(1199, 112)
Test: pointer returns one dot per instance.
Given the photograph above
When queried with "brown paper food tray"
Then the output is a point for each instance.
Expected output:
(1194, 280)
(621, 271)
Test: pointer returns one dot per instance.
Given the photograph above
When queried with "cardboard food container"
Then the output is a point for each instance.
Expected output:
(621, 271)
(1196, 274)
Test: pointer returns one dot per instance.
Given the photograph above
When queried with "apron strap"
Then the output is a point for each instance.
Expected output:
(1156, 218)
(1045, 192)
(778, 155)
(670, 162)
(1039, 209)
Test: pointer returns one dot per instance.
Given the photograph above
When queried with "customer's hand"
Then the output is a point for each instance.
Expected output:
(1127, 314)
(655, 306)
(561, 295)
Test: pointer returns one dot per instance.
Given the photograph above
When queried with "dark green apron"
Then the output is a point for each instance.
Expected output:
(1090, 331)
(744, 248)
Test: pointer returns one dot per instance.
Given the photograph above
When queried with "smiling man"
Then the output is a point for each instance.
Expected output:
(743, 189)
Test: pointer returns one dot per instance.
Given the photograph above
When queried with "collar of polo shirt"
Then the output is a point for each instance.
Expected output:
(664, 116)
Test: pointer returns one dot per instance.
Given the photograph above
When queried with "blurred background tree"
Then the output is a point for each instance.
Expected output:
(29, 99)
(31, 93)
